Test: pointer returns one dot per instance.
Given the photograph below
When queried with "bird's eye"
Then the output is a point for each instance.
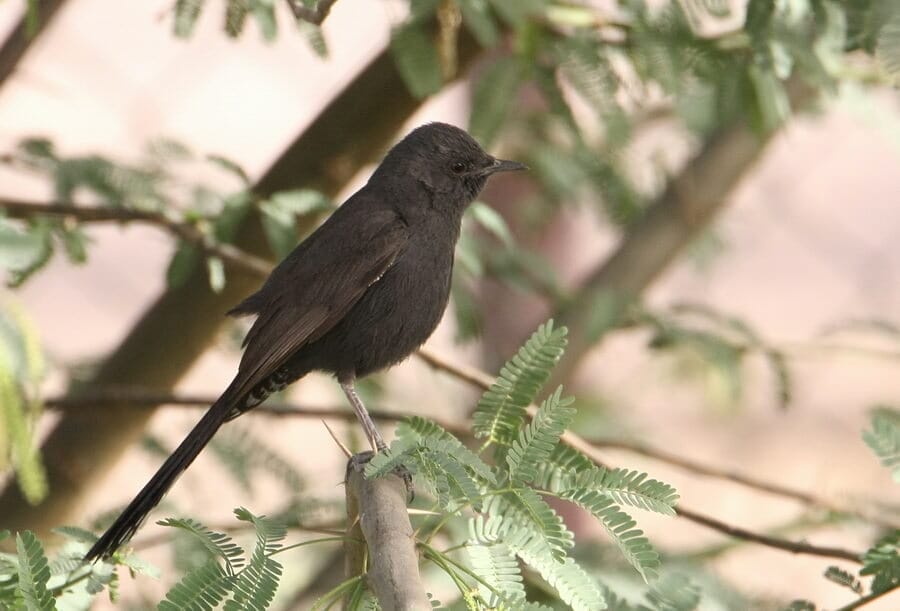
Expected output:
(459, 167)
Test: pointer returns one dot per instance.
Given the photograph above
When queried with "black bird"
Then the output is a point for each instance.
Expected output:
(361, 293)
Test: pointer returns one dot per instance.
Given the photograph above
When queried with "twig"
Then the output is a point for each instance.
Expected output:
(483, 381)
(795, 547)
(865, 600)
(744, 480)
(393, 566)
(313, 15)
(328, 528)
(95, 214)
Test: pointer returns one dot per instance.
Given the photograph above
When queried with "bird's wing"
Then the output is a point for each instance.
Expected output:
(317, 285)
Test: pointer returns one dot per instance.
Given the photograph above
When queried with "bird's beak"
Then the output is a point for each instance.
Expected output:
(503, 165)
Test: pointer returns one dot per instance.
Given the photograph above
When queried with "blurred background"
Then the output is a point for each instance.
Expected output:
(712, 209)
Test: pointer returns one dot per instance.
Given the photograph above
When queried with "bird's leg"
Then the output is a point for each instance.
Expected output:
(372, 434)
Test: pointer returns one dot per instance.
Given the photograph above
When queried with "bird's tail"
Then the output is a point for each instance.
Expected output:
(152, 493)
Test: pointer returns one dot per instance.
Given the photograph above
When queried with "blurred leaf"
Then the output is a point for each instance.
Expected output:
(884, 438)
(235, 17)
(234, 210)
(21, 253)
(469, 320)
(231, 167)
(772, 105)
(280, 213)
(187, 256)
(417, 60)
(888, 46)
(516, 13)
(314, 37)
(75, 242)
(494, 94)
(477, 17)
(216, 271)
(843, 578)
(674, 592)
(491, 220)
(264, 13)
(186, 14)
(882, 561)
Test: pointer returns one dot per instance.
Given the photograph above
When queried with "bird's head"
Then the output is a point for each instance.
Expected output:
(447, 161)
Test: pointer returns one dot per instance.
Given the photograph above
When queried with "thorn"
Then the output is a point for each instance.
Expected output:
(343, 448)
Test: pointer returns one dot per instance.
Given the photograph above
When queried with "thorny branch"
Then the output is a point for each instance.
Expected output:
(475, 377)
(96, 214)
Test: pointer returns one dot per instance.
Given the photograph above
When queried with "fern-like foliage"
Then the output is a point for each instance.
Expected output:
(537, 439)
(845, 579)
(501, 410)
(254, 589)
(882, 562)
(674, 592)
(218, 544)
(633, 488)
(451, 471)
(34, 573)
(523, 510)
(201, 589)
(621, 527)
(884, 438)
(497, 566)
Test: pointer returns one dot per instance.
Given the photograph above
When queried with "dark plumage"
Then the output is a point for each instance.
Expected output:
(361, 293)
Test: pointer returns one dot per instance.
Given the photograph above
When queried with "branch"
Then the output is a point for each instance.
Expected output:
(377, 508)
(806, 498)
(686, 207)
(483, 380)
(313, 15)
(95, 214)
(23, 36)
(795, 547)
(865, 600)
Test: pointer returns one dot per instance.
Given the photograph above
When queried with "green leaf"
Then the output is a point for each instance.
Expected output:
(202, 589)
(501, 410)
(493, 96)
(887, 48)
(883, 563)
(438, 439)
(187, 256)
(280, 214)
(537, 440)
(218, 544)
(524, 508)
(844, 579)
(626, 487)
(477, 16)
(634, 545)
(491, 220)
(674, 592)
(416, 59)
(186, 14)
(34, 572)
(231, 167)
(264, 13)
(518, 12)
(884, 438)
(497, 566)
(22, 253)
(17, 427)
(236, 12)
(255, 586)
(216, 271)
